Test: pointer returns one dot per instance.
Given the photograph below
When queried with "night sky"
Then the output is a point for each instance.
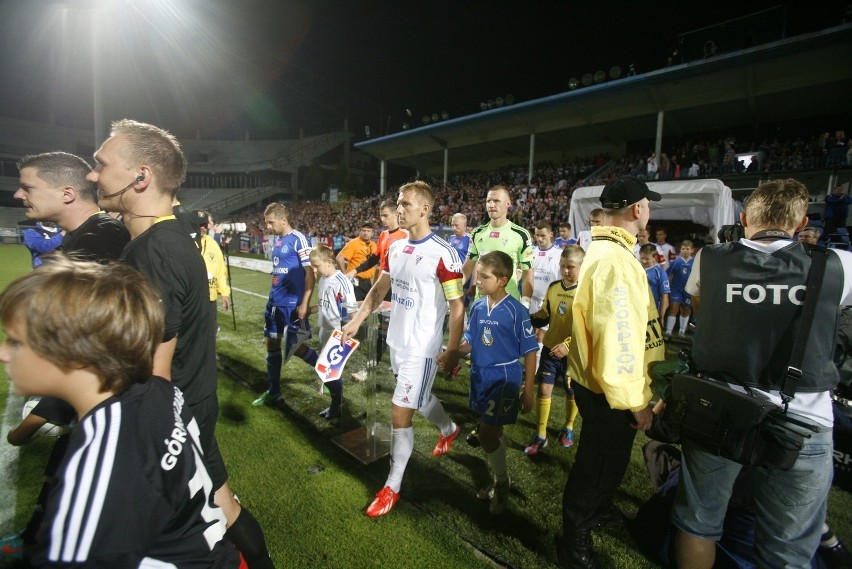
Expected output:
(222, 66)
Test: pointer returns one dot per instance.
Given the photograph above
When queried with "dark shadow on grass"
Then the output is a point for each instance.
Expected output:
(427, 485)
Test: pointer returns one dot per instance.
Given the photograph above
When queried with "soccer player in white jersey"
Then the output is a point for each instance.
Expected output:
(424, 275)
(546, 257)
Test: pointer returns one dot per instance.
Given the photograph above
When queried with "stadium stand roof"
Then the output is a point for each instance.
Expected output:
(795, 78)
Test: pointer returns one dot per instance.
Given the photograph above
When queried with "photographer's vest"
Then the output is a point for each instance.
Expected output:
(749, 300)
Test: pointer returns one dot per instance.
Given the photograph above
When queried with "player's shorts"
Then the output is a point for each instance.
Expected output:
(414, 378)
(552, 369)
(680, 296)
(494, 392)
(206, 412)
(276, 320)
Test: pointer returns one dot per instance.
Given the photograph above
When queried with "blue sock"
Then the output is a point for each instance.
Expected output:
(336, 390)
(310, 357)
(273, 372)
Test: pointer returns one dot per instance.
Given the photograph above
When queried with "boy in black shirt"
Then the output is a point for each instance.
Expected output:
(132, 487)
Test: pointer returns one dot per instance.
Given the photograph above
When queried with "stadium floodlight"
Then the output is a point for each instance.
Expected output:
(600, 76)
(588, 79)
(614, 72)
(408, 113)
(491, 103)
(435, 117)
(510, 99)
(405, 126)
(444, 115)
(573, 83)
(498, 101)
(483, 106)
(425, 119)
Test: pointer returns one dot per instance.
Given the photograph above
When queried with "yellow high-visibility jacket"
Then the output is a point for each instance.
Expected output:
(616, 332)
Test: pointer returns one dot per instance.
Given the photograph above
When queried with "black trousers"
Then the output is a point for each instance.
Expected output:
(603, 453)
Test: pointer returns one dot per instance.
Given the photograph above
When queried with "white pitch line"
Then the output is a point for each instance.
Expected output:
(9, 463)
(249, 292)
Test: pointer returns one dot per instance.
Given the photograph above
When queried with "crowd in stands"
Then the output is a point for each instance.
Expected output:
(548, 196)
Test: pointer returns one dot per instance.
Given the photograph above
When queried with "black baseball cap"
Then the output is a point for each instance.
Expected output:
(625, 191)
(200, 217)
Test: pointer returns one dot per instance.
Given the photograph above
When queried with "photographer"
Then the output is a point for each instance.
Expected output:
(748, 296)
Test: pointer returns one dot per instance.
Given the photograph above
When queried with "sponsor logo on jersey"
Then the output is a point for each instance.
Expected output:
(409, 249)
(405, 301)
(542, 253)
(494, 234)
(528, 328)
(487, 337)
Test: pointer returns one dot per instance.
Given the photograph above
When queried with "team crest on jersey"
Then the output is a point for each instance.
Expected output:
(487, 337)
(563, 308)
(285, 249)
(409, 249)
(505, 241)
(494, 234)
(417, 259)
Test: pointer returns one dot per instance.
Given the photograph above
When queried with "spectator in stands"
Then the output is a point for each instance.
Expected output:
(41, 240)
(836, 210)
(356, 252)
(652, 166)
(665, 167)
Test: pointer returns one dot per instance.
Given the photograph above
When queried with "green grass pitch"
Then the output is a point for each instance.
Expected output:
(309, 495)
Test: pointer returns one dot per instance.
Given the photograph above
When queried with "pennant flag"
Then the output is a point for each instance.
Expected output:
(334, 355)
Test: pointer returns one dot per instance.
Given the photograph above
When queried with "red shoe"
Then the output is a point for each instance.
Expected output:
(443, 446)
(385, 500)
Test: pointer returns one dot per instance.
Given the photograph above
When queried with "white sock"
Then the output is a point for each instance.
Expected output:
(684, 323)
(434, 411)
(402, 444)
(670, 324)
(497, 460)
